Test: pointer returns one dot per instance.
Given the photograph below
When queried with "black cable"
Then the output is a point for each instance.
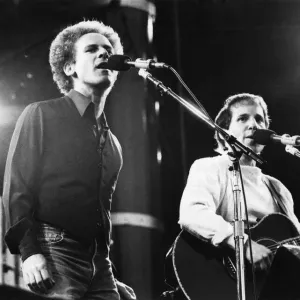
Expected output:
(203, 110)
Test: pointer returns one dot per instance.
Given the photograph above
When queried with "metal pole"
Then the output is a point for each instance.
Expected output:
(238, 232)
(1, 243)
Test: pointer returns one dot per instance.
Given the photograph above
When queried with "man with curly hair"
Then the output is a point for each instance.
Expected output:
(61, 171)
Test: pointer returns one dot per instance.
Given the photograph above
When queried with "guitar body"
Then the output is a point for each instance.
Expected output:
(199, 267)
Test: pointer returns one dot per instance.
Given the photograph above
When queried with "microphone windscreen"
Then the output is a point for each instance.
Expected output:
(117, 63)
(263, 136)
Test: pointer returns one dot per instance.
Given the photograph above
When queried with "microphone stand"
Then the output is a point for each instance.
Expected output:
(238, 226)
(238, 150)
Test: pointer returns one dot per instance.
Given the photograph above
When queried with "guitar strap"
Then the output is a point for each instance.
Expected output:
(276, 196)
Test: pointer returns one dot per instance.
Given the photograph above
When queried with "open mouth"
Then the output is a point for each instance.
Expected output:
(102, 65)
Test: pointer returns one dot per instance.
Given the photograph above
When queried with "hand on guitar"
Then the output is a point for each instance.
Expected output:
(262, 256)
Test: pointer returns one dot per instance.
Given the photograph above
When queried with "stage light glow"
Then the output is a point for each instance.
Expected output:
(159, 156)
(9, 114)
(157, 107)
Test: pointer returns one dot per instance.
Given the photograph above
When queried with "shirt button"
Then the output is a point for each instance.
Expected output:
(98, 224)
(100, 165)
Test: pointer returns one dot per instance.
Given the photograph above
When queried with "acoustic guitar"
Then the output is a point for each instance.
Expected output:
(205, 272)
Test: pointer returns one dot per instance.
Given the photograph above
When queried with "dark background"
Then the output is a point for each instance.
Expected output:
(220, 48)
(224, 48)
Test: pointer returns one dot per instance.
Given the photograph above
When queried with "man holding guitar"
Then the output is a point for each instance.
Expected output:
(207, 206)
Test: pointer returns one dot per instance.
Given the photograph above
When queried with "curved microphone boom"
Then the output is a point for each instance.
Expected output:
(265, 136)
(124, 63)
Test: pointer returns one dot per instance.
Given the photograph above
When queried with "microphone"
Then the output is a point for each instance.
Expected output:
(124, 63)
(265, 136)
(292, 150)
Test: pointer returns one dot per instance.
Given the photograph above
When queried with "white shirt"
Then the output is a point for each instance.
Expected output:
(207, 207)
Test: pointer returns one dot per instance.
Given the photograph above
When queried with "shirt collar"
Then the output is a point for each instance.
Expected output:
(81, 102)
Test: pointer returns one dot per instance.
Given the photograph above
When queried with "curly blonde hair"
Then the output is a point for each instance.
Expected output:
(62, 49)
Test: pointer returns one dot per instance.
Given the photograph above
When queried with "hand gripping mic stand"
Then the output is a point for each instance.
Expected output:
(238, 150)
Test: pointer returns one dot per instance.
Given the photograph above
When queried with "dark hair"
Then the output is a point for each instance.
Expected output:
(223, 118)
(62, 48)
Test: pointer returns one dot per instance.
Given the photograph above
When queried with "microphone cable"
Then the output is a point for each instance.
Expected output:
(203, 110)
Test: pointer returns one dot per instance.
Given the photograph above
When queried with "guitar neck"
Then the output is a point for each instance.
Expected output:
(291, 241)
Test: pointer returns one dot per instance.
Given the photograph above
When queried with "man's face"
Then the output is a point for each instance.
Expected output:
(91, 50)
(246, 118)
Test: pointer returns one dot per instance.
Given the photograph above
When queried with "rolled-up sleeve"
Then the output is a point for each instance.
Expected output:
(22, 176)
(204, 190)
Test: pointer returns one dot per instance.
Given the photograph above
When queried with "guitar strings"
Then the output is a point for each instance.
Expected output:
(274, 248)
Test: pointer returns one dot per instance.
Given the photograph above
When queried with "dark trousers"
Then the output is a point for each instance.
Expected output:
(79, 271)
